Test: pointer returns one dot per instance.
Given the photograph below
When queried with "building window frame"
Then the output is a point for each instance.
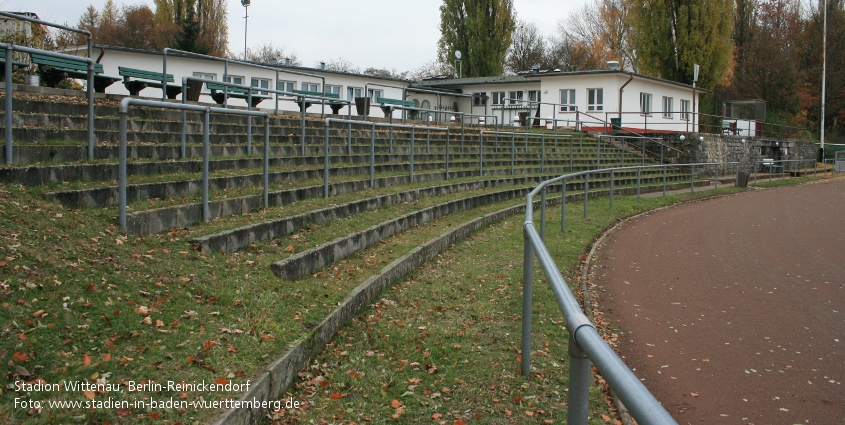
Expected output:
(534, 96)
(567, 100)
(353, 92)
(234, 79)
(645, 104)
(498, 97)
(685, 109)
(332, 89)
(204, 76)
(374, 94)
(595, 99)
(261, 83)
(479, 98)
(306, 86)
(667, 107)
(518, 95)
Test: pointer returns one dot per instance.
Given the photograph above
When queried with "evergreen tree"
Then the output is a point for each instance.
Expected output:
(481, 30)
(188, 38)
(670, 36)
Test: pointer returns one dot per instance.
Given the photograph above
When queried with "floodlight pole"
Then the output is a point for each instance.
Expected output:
(245, 3)
(824, 76)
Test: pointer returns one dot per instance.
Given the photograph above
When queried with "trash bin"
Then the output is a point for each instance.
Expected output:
(742, 179)
(194, 89)
(616, 124)
(362, 106)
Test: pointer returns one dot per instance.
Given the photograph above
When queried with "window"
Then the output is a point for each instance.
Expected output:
(515, 95)
(333, 90)
(260, 83)
(353, 92)
(234, 79)
(374, 94)
(595, 99)
(667, 107)
(479, 99)
(205, 76)
(645, 103)
(498, 97)
(685, 110)
(534, 95)
(311, 87)
(288, 86)
(567, 100)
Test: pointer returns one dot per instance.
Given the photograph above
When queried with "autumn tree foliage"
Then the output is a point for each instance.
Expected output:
(481, 30)
(528, 48)
(600, 32)
(811, 66)
(670, 36)
(192, 25)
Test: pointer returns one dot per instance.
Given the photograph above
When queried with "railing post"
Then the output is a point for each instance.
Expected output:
(664, 180)
(267, 161)
(447, 154)
(611, 188)
(543, 150)
(638, 184)
(598, 153)
(562, 206)
(326, 160)
(302, 129)
(480, 154)
(692, 179)
(121, 167)
(411, 177)
(373, 157)
(717, 176)
(543, 215)
(90, 105)
(570, 154)
(206, 133)
(586, 192)
(513, 152)
(527, 295)
(249, 123)
(390, 121)
(9, 96)
(579, 384)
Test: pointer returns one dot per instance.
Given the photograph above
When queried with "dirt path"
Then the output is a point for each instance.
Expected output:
(732, 310)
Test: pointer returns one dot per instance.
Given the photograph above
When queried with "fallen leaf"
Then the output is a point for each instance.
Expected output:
(86, 359)
(694, 394)
(19, 356)
(221, 381)
(39, 313)
(89, 394)
(22, 337)
(396, 404)
(142, 310)
(107, 357)
(208, 344)
(336, 396)
(436, 416)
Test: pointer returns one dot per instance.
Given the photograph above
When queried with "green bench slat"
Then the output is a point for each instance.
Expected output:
(399, 102)
(142, 74)
(79, 66)
(316, 93)
(14, 64)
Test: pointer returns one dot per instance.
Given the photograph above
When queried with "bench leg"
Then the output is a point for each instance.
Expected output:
(336, 108)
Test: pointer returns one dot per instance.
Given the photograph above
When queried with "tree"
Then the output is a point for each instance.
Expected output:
(342, 65)
(138, 29)
(528, 48)
(670, 36)
(188, 38)
(481, 30)
(267, 51)
(600, 32)
(811, 66)
(382, 72)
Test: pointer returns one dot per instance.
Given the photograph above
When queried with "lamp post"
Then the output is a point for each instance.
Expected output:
(458, 63)
(245, 4)
(824, 78)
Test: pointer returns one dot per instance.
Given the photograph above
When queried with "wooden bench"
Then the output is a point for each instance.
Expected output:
(53, 70)
(218, 93)
(387, 104)
(308, 102)
(143, 79)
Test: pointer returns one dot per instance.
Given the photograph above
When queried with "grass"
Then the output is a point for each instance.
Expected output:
(444, 344)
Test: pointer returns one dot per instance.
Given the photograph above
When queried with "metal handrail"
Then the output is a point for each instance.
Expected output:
(8, 103)
(780, 163)
(585, 344)
(373, 126)
(513, 149)
(126, 103)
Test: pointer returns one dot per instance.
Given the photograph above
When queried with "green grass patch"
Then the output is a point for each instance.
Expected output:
(444, 343)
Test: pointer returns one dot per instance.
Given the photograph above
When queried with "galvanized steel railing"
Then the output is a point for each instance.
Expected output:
(585, 343)
(206, 110)
(783, 164)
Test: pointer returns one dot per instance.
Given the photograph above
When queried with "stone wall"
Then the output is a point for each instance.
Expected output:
(697, 148)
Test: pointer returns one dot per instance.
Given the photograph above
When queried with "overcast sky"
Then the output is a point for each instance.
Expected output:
(390, 34)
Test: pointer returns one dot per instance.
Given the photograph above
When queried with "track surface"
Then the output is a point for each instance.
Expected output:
(732, 310)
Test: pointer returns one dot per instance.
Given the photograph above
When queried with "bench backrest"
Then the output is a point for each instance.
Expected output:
(317, 93)
(399, 102)
(142, 74)
(230, 89)
(80, 65)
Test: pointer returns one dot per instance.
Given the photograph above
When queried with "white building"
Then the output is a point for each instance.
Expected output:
(596, 99)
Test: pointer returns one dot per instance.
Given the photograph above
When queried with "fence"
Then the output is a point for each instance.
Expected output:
(373, 126)
(207, 110)
(585, 344)
(784, 164)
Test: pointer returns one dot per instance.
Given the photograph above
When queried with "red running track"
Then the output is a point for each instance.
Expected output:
(732, 310)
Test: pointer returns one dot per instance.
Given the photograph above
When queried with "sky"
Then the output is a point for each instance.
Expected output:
(391, 34)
